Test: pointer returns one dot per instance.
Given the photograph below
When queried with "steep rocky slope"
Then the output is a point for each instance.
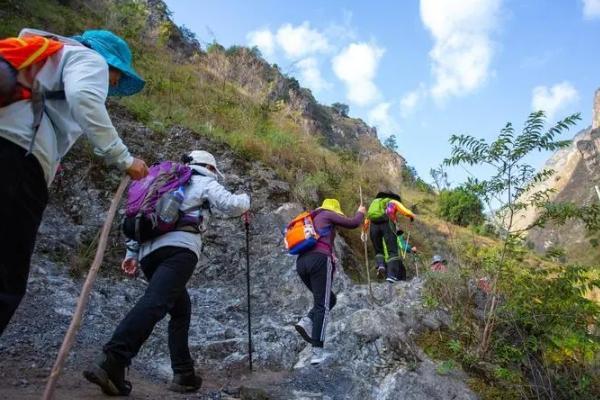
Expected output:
(374, 356)
(577, 171)
(373, 353)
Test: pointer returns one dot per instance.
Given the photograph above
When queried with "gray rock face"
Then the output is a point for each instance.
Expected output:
(370, 341)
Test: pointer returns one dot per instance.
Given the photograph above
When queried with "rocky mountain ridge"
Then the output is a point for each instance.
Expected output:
(266, 84)
(577, 172)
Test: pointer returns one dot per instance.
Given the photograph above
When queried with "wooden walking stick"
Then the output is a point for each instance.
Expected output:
(363, 237)
(85, 294)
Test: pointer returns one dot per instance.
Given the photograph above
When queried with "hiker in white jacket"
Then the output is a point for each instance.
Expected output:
(168, 262)
(83, 72)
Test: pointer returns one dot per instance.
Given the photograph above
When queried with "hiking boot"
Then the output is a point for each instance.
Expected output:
(391, 279)
(185, 382)
(318, 356)
(109, 374)
(380, 272)
(304, 328)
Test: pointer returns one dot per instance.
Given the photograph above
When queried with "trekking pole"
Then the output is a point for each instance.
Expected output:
(85, 294)
(407, 243)
(246, 218)
(416, 264)
(363, 237)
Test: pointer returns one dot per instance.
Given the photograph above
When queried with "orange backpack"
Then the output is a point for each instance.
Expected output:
(18, 54)
(300, 233)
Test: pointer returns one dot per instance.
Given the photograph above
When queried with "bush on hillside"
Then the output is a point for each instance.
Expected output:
(341, 108)
(461, 207)
(527, 328)
(411, 179)
(391, 143)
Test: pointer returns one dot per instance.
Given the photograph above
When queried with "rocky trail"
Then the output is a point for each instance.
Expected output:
(373, 354)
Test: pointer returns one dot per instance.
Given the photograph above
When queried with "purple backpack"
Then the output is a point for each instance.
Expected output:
(141, 220)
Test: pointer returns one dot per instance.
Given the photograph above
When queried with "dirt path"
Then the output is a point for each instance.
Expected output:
(20, 381)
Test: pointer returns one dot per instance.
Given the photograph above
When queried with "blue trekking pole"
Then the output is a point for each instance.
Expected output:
(246, 218)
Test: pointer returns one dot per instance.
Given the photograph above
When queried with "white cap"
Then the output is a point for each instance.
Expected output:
(204, 157)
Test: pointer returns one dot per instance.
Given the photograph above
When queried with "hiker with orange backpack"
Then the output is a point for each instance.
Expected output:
(52, 90)
(384, 212)
(311, 236)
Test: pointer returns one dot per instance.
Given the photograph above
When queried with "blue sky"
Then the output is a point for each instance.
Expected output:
(423, 69)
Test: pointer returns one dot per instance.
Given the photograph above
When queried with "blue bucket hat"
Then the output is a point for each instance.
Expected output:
(117, 54)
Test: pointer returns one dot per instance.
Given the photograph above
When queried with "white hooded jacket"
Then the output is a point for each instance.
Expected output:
(202, 187)
(83, 74)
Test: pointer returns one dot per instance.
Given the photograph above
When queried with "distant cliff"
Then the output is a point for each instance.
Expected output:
(577, 171)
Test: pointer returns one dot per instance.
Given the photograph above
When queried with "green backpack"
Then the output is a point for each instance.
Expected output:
(377, 209)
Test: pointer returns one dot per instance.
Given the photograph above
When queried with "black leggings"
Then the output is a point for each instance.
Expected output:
(385, 231)
(23, 198)
(168, 269)
(316, 271)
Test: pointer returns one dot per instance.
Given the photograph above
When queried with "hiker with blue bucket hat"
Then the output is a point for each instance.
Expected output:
(59, 94)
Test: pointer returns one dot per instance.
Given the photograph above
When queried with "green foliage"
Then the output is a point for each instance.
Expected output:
(461, 207)
(215, 47)
(17, 15)
(546, 341)
(391, 143)
(512, 176)
(341, 108)
(445, 367)
(546, 322)
(411, 178)
(556, 253)
(519, 324)
(189, 36)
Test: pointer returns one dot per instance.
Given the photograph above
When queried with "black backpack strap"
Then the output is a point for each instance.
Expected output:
(38, 104)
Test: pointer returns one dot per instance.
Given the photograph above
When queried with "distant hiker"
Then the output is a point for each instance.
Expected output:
(168, 261)
(60, 95)
(438, 264)
(316, 265)
(383, 214)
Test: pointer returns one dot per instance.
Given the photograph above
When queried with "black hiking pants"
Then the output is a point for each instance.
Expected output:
(316, 271)
(23, 198)
(381, 232)
(167, 269)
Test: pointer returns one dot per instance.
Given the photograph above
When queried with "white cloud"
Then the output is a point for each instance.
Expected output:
(381, 118)
(342, 31)
(410, 100)
(553, 99)
(263, 39)
(310, 74)
(462, 52)
(591, 9)
(301, 41)
(356, 65)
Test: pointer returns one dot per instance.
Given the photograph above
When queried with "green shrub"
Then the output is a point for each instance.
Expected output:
(461, 207)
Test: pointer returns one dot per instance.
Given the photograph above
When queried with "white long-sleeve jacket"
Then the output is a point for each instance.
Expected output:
(203, 187)
(83, 75)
